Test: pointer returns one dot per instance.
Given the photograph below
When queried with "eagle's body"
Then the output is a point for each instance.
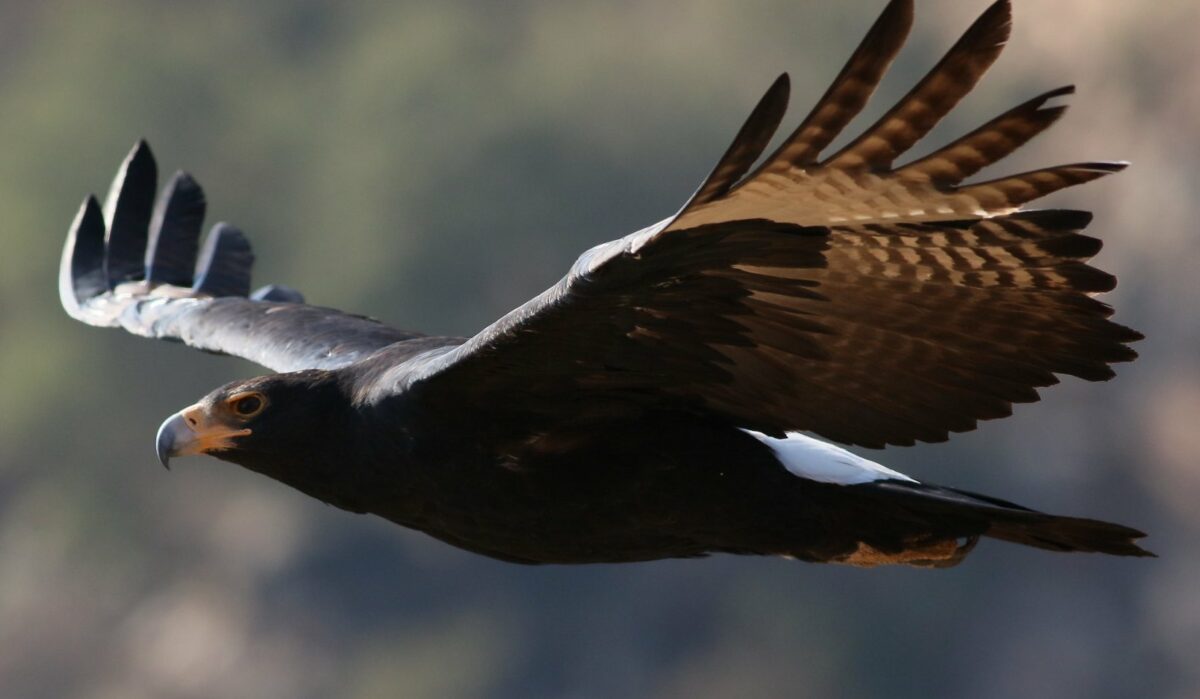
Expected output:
(648, 404)
(663, 484)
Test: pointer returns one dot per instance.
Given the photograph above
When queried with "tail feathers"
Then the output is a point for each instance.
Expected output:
(957, 513)
(1068, 534)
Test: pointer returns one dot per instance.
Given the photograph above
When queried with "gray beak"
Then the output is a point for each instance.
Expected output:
(172, 435)
(193, 431)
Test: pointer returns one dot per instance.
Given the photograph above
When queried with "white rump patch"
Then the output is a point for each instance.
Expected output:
(821, 461)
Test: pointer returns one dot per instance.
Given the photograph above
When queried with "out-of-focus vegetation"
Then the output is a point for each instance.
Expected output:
(434, 164)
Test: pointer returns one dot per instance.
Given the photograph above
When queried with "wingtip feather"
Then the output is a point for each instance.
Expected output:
(748, 144)
(81, 271)
(910, 119)
(171, 250)
(127, 211)
(225, 263)
(997, 20)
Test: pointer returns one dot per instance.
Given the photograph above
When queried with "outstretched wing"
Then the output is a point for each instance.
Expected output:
(868, 303)
(137, 264)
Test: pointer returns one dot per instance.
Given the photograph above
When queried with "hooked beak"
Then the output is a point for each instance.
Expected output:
(190, 431)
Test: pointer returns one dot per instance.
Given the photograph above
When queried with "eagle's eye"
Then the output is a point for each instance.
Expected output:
(248, 404)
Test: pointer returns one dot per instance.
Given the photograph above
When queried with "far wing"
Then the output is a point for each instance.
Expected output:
(872, 305)
(138, 265)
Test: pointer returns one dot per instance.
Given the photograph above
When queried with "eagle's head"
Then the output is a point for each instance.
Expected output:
(271, 424)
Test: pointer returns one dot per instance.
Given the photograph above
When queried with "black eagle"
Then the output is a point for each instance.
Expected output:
(647, 405)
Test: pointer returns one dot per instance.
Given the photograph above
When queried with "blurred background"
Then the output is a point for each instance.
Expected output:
(434, 163)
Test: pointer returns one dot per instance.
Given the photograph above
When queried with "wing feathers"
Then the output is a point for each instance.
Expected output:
(857, 183)
(127, 211)
(932, 98)
(81, 274)
(748, 144)
(871, 333)
(223, 268)
(989, 143)
(868, 305)
(135, 270)
(850, 90)
(175, 232)
(1008, 193)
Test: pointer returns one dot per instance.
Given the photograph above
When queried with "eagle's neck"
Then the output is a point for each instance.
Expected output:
(336, 451)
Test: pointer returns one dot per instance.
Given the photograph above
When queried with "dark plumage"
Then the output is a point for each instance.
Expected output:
(646, 405)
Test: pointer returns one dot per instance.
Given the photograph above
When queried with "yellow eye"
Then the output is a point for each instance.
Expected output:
(248, 404)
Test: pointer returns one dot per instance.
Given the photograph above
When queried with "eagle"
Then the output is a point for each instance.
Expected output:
(681, 391)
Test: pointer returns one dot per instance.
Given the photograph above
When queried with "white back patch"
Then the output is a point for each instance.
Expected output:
(820, 461)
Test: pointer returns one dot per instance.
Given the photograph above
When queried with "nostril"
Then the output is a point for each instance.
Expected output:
(191, 421)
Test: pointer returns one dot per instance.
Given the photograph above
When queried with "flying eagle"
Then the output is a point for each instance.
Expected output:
(649, 404)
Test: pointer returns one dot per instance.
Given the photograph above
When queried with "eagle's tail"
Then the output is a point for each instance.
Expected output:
(965, 515)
